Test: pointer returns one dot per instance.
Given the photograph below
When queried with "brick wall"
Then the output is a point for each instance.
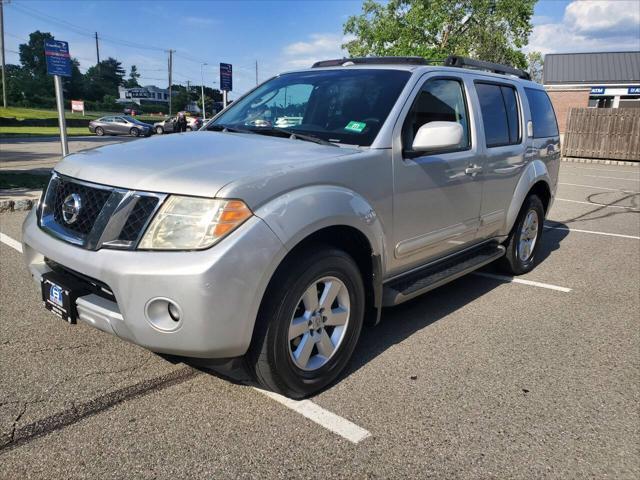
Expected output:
(563, 101)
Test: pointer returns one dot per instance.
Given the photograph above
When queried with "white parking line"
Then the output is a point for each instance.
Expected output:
(596, 187)
(7, 240)
(597, 204)
(593, 232)
(332, 422)
(531, 283)
(605, 169)
(611, 178)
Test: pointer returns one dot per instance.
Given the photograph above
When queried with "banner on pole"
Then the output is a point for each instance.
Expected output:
(226, 77)
(58, 58)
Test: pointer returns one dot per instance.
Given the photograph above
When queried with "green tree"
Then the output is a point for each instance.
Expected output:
(535, 64)
(134, 75)
(103, 79)
(491, 30)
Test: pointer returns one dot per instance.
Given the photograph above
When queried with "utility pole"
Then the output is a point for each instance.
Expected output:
(256, 72)
(170, 77)
(204, 110)
(4, 82)
(97, 51)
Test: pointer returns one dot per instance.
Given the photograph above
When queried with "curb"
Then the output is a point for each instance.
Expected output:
(601, 162)
(17, 205)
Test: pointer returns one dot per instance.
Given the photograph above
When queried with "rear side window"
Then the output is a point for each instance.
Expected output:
(499, 108)
(542, 114)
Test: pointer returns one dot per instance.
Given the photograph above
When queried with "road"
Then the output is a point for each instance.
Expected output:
(483, 378)
(39, 155)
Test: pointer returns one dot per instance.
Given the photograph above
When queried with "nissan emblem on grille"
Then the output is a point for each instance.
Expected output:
(71, 208)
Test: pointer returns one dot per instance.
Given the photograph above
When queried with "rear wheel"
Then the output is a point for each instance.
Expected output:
(309, 323)
(524, 242)
(159, 130)
(134, 132)
(99, 131)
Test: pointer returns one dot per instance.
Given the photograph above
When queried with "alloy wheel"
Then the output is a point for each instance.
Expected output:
(319, 323)
(528, 235)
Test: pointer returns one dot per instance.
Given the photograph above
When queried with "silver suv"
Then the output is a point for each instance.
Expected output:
(296, 214)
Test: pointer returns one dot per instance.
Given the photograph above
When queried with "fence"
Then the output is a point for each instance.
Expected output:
(607, 133)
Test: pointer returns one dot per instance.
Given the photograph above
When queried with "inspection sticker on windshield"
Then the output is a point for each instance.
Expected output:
(355, 126)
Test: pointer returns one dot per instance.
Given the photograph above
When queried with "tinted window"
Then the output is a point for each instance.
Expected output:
(439, 100)
(542, 114)
(511, 105)
(342, 105)
(499, 108)
(494, 114)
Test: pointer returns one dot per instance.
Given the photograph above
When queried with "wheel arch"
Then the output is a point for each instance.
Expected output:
(343, 219)
(535, 179)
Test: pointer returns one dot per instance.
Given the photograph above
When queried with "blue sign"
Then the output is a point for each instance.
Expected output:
(597, 90)
(633, 91)
(58, 59)
(226, 77)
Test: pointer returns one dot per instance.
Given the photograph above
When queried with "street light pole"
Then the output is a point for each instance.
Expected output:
(204, 110)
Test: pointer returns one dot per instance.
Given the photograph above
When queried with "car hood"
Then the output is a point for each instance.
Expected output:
(197, 163)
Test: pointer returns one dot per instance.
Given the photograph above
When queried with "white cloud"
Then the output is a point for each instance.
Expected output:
(590, 26)
(319, 46)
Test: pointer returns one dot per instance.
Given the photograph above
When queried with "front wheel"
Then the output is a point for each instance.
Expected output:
(309, 323)
(99, 131)
(134, 132)
(524, 242)
(159, 130)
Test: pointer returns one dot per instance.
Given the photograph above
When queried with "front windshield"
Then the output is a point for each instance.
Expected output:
(341, 106)
(129, 119)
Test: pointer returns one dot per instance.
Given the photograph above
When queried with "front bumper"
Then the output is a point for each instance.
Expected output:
(218, 290)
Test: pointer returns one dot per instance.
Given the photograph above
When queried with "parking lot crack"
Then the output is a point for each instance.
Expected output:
(23, 434)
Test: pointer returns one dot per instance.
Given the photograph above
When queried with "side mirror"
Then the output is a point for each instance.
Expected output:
(437, 135)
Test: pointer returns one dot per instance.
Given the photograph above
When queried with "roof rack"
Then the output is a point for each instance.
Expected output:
(339, 62)
(463, 62)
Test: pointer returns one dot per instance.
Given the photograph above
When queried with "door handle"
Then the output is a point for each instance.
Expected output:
(473, 170)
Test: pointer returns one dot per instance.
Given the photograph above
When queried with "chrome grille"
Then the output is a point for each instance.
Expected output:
(106, 217)
(138, 218)
(93, 199)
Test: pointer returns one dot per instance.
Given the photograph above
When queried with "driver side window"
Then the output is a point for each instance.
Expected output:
(439, 100)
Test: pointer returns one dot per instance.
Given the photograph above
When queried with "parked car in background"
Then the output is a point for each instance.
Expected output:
(168, 124)
(120, 125)
(270, 235)
(132, 110)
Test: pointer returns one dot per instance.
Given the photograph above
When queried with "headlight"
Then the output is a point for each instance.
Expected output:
(191, 223)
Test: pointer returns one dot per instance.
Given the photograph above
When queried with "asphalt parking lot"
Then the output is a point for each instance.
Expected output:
(482, 378)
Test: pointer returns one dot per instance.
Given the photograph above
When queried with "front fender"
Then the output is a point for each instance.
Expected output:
(297, 214)
(535, 172)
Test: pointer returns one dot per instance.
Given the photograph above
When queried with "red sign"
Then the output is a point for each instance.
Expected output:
(77, 106)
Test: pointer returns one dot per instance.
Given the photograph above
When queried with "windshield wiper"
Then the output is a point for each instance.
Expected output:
(226, 128)
(292, 135)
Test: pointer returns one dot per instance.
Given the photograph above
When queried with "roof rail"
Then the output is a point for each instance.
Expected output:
(338, 62)
(463, 62)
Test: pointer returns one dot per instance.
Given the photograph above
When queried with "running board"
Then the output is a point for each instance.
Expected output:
(433, 276)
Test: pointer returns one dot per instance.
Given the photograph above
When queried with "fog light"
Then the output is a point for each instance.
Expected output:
(174, 313)
(164, 314)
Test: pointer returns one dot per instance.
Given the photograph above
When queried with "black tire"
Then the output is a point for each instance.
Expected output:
(159, 130)
(99, 131)
(511, 263)
(269, 357)
(134, 132)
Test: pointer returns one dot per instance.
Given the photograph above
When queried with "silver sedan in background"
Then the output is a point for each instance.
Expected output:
(120, 125)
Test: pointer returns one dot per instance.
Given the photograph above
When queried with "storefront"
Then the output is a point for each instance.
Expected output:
(615, 96)
(596, 80)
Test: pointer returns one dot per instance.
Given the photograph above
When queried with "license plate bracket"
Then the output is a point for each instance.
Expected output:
(59, 294)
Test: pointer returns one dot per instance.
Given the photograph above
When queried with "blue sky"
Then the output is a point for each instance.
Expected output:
(280, 35)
